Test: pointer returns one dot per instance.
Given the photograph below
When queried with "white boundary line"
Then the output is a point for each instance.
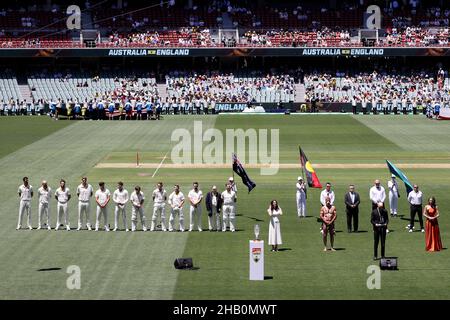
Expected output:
(160, 164)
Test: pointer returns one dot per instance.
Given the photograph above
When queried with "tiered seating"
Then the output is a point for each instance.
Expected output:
(9, 88)
(48, 88)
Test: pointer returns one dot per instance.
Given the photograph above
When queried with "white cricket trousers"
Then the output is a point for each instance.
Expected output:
(24, 207)
(393, 202)
(173, 215)
(195, 215)
(159, 209)
(120, 211)
(301, 204)
(61, 209)
(135, 211)
(102, 211)
(214, 220)
(229, 215)
(44, 210)
(84, 211)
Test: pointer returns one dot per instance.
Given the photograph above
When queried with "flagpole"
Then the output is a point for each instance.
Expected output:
(301, 164)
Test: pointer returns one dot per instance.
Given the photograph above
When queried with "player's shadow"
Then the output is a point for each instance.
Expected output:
(268, 278)
(284, 249)
(254, 219)
(49, 269)
(339, 249)
(360, 231)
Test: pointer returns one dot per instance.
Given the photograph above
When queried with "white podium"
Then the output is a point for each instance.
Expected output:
(256, 260)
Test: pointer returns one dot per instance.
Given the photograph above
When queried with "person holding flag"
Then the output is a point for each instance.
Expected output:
(393, 195)
(311, 176)
(301, 197)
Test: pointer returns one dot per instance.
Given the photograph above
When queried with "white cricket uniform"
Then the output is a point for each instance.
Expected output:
(137, 209)
(228, 209)
(175, 201)
(324, 194)
(25, 204)
(195, 213)
(159, 207)
(120, 198)
(214, 220)
(393, 196)
(377, 194)
(102, 198)
(301, 199)
(61, 207)
(84, 205)
(44, 205)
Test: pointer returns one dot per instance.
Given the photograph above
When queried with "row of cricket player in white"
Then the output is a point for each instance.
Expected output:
(218, 203)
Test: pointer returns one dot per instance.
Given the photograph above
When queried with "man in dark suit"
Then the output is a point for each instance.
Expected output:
(379, 220)
(352, 201)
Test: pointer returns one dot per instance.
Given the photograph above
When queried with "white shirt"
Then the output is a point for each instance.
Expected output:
(300, 188)
(44, 195)
(214, 199)
(102, 196)
(415, 197)
(377, 195)
(63, 196)
(85, 193)
(120, 196)
(352, 196)
(228, 197)
(136, 198)
(25, 192)
(159, 196)
(393, 187)
(324, 194)
(195, 196)
(176, 199)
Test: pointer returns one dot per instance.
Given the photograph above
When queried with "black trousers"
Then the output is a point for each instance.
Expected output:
(352, 213)
(379, 235)
(414, 208)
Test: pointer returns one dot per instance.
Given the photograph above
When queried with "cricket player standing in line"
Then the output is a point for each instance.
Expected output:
(62, 196)
(25, 194)
(176, 201)
(137, 199)
(228, 208)
(84, 193)
(301, 197)
(102, 197)
(44, 193)
(159, 197)
(195, 211)
(120, 198)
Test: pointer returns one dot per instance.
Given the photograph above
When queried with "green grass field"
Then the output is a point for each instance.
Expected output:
(140, 265)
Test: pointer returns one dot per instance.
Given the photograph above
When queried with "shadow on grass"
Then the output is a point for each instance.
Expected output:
(339, 249)
(268, 277)
(49, 269)
(284, 249)
(253, 218)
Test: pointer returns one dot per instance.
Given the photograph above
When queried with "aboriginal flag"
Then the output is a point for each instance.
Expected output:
(311, 176)
(240, 171)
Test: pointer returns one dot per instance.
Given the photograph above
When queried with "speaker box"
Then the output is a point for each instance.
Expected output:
(388, 263)
(183, 263)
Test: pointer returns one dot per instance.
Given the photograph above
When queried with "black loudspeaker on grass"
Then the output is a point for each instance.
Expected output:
(389, 263)
(183, 263)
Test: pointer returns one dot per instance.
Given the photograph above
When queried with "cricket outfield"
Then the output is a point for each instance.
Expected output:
(343, 149)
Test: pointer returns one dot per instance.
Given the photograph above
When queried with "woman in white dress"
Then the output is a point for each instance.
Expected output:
(274, 212)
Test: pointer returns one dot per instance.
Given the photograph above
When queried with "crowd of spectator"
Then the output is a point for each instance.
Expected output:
(374, 86)
(226, 87)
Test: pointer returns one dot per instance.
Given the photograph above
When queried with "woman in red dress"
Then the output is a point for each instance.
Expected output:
(432, 234)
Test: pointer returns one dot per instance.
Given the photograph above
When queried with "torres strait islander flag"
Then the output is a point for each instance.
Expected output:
(311, 176)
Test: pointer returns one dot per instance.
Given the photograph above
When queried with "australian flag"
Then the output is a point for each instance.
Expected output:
(240, 171)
